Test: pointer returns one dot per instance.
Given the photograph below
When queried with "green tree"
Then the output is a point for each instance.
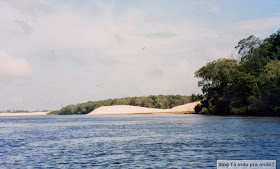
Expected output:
(246, 46)
(250, 86)
(216, 84)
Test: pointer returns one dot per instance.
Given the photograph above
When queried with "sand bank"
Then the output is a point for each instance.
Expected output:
(126, 109)
(23, 114)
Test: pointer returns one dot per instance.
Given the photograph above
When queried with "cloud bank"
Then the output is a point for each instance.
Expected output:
(12, 67)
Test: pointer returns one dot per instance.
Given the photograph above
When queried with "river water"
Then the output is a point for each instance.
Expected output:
(136, 141)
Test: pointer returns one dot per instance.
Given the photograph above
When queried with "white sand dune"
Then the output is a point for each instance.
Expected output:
(185, 108)
(126, 109)
(23, 114)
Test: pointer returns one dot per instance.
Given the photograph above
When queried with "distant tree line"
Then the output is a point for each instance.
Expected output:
(21, 111)
(14, 111)
(160, 101)
(249, 86)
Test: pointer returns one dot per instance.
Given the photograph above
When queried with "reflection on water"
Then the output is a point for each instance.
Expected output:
(180, 141)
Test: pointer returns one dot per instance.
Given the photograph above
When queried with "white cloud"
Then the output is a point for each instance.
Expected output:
(261, 27)
(15, 100)
(210, 6)
(55, 86)
(14, 67)
(214, 9)
(173, 78)
(29, 6)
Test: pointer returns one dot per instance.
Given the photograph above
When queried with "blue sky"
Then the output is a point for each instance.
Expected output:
(55, 53)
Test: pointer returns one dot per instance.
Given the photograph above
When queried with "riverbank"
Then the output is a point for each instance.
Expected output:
(120, 110)
(23, 114)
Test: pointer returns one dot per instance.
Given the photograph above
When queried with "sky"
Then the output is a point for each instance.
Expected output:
(56, 53)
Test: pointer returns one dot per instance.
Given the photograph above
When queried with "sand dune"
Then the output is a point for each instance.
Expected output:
(23, 114)
(126, 109)
(185, 108)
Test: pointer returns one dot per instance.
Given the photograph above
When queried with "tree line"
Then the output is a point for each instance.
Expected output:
(248, 86)
(160, 101)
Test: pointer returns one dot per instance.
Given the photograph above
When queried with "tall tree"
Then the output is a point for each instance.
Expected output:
(216, 84)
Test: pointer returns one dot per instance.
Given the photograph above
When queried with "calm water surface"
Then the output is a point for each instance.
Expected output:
(136, 141)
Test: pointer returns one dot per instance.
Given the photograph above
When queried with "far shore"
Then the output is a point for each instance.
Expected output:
(23, 114)
(119, 110)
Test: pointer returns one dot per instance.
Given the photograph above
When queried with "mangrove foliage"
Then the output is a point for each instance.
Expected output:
(247, 86)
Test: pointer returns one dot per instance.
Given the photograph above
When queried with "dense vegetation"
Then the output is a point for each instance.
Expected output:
(250, 86)
(21, 111)
(14, 111)
(161, 101)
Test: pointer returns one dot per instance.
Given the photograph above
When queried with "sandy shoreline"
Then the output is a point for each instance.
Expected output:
(126, 109)
(120, 110)
(23, 114)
